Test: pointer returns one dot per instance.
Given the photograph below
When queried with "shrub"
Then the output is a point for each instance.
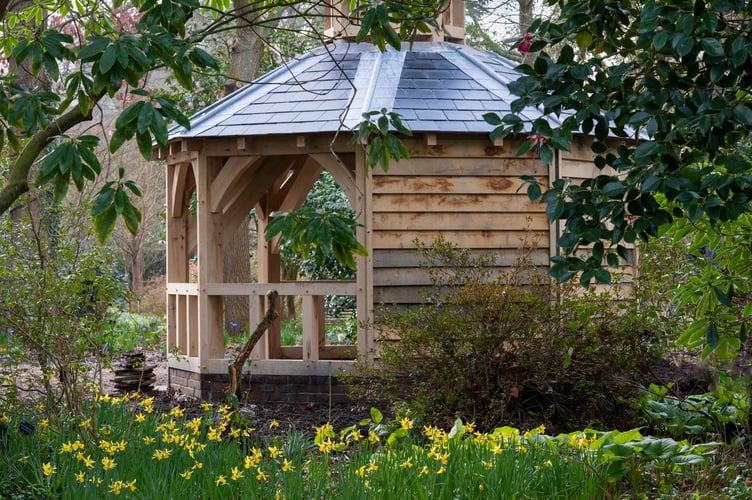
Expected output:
(153, 299)
(55, 292)
(515, 349)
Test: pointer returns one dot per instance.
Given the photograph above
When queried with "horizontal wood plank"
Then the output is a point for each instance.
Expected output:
(416, 221)
(578, 170)
(497, 203)
(427, 184)
(507, 166)
(411, 258)
(465, 239)
(287, 288)
(387, 277)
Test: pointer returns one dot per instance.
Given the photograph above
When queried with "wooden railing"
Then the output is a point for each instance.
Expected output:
(182, 337)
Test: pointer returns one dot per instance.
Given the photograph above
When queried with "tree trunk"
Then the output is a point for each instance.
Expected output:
(238, 270)
(245, 58)
(526, 15)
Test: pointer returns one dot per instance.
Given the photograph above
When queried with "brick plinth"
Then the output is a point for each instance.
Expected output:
(260, 387)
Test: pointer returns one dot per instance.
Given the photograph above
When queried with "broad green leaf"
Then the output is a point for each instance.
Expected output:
(376, 415)
(711, 336)
(712, 47)
(104, 224)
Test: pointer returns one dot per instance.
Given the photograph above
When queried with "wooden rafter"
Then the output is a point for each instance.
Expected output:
(263, 179)
(182, 184)
(236, 173)
(342, 173)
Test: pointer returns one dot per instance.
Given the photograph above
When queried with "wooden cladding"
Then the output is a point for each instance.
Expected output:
(477, 202)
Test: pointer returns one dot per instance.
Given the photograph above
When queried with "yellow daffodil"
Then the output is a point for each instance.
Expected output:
(187, 474)
(273, 424)
(423, 471)
(406, 423)
(116, 487)
(274, 452)
(206, 406)
(108, 463)
(287, 466)
(140, 418)
(261, 476)
(161, 454)
(48, 469)
(407, 463)
(88, 462)
(80, 477)
(236, 474)
(220, 480)
(177, 412)
(326, 446)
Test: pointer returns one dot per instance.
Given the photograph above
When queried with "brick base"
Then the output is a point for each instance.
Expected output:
(258, 387)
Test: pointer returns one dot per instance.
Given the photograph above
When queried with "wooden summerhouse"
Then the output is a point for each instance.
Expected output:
(265, 145)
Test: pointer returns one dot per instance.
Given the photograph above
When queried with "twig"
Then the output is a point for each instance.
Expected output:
(235, 369)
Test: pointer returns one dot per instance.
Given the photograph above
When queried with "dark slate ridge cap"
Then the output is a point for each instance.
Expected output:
(276, 103)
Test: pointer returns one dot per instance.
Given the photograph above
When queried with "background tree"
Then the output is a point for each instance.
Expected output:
(106, 58)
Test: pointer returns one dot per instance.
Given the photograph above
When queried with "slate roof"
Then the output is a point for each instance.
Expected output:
(435, 87)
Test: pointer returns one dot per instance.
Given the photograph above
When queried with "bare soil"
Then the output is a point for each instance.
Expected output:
(304, 417)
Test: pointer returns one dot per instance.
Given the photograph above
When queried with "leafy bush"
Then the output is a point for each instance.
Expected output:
(55, 293)
(132, 331)
(512, 349)
(722, 414)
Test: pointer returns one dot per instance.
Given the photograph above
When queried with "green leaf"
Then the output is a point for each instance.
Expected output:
(104, 224)
(743, 114)
(711, 335)
(109, 57)
(547, 154)
(660, 39)
(722, 297)
(376, 415)
(712, 47)
(131, 217)
(554, 209)
(658, 449)
(613, 189)
(602, 276)
(683, 44)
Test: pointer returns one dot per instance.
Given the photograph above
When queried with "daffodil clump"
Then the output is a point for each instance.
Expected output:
(129, 450)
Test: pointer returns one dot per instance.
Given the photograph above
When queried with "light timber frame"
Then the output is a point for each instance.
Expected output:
(460, 186)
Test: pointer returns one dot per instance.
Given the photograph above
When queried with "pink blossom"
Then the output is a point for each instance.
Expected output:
(526, 44)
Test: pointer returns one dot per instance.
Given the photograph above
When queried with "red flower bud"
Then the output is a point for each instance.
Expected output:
(524, 47)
